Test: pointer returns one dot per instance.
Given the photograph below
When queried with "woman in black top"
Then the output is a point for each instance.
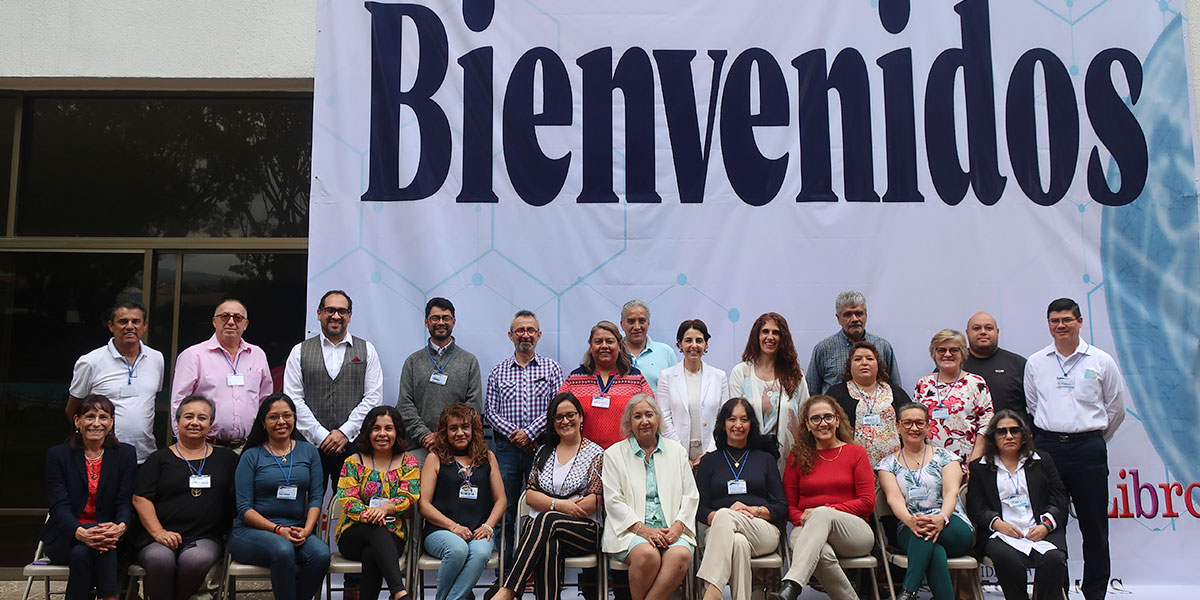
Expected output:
(462, 501)
(741, 500)
(184, 498)
(869, 402)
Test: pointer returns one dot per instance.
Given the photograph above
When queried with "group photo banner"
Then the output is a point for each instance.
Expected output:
(719, 160)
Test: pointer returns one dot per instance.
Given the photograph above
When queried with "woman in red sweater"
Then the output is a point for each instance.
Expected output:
(830, 491)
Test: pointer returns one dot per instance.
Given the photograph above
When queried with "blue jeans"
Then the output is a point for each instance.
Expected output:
(462, 563)
(296, 572)
(515, 465)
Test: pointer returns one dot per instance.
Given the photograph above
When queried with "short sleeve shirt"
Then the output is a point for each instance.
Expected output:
(921, 485)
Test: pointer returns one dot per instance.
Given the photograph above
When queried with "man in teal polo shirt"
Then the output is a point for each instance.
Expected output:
(649, 356)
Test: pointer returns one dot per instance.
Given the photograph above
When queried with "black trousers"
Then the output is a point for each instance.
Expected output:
(379, 551)
(1049, 575)
(1083, 465)
(545, 541)
(89, 568)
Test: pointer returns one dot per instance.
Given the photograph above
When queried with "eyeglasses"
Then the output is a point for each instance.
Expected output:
(273, 417)
(333, 310)
(439, 318)
(525, 331)
(825, 418)
(950, 351)
(568, 416)
(913, 424)
(1063, 320)
(1002, 432)
(227, 316)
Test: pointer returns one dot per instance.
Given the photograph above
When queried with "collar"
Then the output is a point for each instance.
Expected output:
(116, 354)
(988, 460)
(648, 348)
(640, 452)
(325, 343)
(1082, 348)
(439, 351)
(213, 344)
(850, 342)
(533, 362)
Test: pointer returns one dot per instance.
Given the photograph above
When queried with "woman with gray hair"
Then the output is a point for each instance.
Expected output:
(650, 501)
(183, 496)
(959, 402)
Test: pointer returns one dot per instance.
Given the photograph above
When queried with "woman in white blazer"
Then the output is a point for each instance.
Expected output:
(650, 501)
(691, 392)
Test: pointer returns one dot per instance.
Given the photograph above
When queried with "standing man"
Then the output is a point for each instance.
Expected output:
(1076, 395)
(519, 390)
(228, 370)
(334, 379)
(434, 377)
(128, 373)
(830, 354)
(649, 356)
(1003, 371)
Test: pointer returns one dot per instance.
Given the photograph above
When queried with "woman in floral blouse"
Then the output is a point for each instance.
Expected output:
(959, 403)
(377, 486)
(870, 403)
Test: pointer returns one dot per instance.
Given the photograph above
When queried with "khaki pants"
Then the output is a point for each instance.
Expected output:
(732, 540)
(828, 534)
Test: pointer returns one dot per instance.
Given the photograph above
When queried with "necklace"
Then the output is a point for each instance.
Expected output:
(835, 456)
(92, 460)
(737, 462)
(281, 457)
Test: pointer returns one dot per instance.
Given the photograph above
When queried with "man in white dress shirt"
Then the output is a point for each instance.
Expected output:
(1076, 397)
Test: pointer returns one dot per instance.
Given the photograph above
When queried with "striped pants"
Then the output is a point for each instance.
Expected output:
(545, 541)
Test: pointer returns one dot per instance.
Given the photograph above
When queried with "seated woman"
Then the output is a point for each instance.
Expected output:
(1017, 496)
(650, 501)
(921, 483)
(89, 480)
(184, 499)
(741, 500)
(830, 495)
(691, 392)
(869, 401)
(377, 486)
(280, 487)
(462, 501)
(604, 382)
(564, 495)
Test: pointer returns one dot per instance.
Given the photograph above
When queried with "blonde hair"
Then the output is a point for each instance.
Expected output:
(947, 335)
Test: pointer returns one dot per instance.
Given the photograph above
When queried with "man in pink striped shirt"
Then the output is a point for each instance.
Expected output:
(230, 371)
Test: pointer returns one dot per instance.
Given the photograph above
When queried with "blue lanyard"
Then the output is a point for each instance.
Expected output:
(287, 477)
(604, 386)
(187, 462)
(914, 476)
(132, 368)
(382, 476)
(1073, 365)
(232, 364)
(466, 472)
(737, 475)
(949, 388)
(873, 399)
(443, 366)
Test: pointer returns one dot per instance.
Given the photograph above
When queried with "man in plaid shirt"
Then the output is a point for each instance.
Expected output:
(830, 354)
(518, 391)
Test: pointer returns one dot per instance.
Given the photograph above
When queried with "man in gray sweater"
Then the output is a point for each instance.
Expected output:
(437, 375)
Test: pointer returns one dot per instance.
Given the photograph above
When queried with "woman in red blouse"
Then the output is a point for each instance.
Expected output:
(830, 491)
(604, 383)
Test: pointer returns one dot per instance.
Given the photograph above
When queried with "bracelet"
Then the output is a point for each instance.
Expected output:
(552, 502)
(490, 528)
(276, 529)
(638, 530)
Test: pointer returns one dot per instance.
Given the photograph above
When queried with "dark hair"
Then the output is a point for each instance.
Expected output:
(438, 302)
(363, 442)
(787, 365)
(258, 431)
(804, 445)
(126, 304)
(75, 439)
(696, 324)
(881, 372)
(1064, 304)
(549, 439)
(624, 362)
(349, 302)
(753, 440)
(912, 406)
(212, 407)
(477, 448)
(991, 449)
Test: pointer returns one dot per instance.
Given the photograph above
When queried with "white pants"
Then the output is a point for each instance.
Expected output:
(732, 540)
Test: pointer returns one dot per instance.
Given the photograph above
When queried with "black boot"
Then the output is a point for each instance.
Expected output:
(789, 591)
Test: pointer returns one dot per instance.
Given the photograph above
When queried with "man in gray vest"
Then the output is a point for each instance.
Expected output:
(334, 379)
(436, 376)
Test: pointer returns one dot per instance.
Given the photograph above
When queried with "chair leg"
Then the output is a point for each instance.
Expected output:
(46, 583)
(887, 570)
(875, 582)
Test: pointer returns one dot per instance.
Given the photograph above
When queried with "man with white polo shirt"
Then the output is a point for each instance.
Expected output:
(649, 356)
(127, 372)
(1076, 397)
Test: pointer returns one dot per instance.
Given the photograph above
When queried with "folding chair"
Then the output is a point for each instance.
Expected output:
(234, 570)
(425, 562)
(343, 565)
(689, 580)
(777, 560)
(591, 561)
(961, 563)
(136, 573)
(40, 568)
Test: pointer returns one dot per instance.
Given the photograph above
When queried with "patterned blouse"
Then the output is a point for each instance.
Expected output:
(875, 421)
(604, 419)
(922, 486)
(359, 483)
(969, 406)
(582, 478)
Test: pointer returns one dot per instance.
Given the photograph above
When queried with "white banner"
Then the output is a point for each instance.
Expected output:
(723, 159)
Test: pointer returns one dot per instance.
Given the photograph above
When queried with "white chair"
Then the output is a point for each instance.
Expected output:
(591, 561)
(234, 570)
(425, 562)
(136, 573)
(40, 568)
(960, 563)
(775, 560)
(343, 565)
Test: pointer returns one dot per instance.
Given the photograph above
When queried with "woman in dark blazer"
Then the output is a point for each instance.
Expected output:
(1018, 505)
(89, 482)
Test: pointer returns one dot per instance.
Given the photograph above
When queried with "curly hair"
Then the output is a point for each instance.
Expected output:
(787, 365)
(804, 448)
(476, 448)
(881, 372)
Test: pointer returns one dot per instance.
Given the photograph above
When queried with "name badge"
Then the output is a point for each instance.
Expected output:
(599, 401)
(127, 391)
(1065, 383)
(468, 492)
(438, 378)
(1017, 501)
(200, 482)
(235, 380)
(377, 502)
(918, 493)
(872, 420)
(736, 486)
(941, 413)
(287, 492)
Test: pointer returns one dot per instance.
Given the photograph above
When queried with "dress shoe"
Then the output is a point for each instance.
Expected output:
(789, 591)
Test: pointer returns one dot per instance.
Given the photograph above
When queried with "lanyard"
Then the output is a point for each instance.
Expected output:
(287, 477)
(466, 472)
(1074, 364)
(736, 474)
(433, 358)
(187, 462)
(132, 367)
(937, 388)
(232, 364)
(914, 475)
(873, 399)
(604, 386)
(383, 475)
